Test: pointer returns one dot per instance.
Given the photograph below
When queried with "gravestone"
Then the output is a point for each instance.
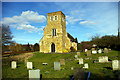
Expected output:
(13, 64)
(44, 63)
(85, 50)
(76, 56)
(115, 64)
(86, 66)
(99, 51)
(105, 50)
(93, 49)
(80, 60)
(34, 74)
(94, 52)
(29, 65)
(56, 65)
(78, 53)
(89, 53)
(103, 59)
(72, 68)
(62, 61)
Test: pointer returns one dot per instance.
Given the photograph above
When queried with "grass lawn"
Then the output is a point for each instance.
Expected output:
(98, 70)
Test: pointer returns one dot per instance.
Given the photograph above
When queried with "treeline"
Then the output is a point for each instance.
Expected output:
(107, 41)
(15, 47)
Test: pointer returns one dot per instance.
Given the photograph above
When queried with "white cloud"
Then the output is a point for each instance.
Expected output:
(86, 22)
(22, 22)
(72, 20)
(83, 22)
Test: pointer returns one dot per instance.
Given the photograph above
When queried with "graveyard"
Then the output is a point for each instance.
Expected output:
(49, 67)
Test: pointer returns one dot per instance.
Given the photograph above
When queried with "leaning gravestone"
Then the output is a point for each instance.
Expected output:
(34, 74)
(56, 65)
(13, 64)
(29, 65)
(89, 53)
(78, 53)
(103, 59)
(62, 61)
(86, 66)
(94, 52)
(115, 64)
(99, 51)
(105, 50)
(80, 60)
(85, 50)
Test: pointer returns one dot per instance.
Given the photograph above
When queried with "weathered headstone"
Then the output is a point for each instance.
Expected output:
(76, 56)
(78, 53)
(56, 65)
(105, 50)
(29, 65)
(44, 63)
(89, 53)
(62, 61)
(94, 52)
(99, 51)
(115, 64)
(86, 66)
(85, 50)
(13, 64)
(93, 49)
(103, 59)
(72, 68)
(80, 60)
(34, 74)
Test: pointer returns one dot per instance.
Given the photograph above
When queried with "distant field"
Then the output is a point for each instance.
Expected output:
(98, 70)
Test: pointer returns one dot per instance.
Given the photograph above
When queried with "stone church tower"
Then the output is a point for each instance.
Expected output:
(55, 38)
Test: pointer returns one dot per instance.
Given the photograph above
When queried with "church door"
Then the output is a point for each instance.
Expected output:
(53, 47)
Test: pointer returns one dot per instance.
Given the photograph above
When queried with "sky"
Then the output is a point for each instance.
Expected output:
(83, 19)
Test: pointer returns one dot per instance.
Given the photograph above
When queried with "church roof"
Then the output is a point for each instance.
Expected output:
(71, 38)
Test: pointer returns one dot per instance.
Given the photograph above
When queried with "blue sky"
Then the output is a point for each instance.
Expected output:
(83, 19)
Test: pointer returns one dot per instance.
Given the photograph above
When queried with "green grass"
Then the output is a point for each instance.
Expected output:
(98, 70)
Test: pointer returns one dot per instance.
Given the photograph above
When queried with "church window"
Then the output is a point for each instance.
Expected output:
(54, 32)
(51, 18)
(55, 17)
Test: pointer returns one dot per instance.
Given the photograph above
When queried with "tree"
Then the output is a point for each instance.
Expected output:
(28, 47)
(6, 36)
(36, 47)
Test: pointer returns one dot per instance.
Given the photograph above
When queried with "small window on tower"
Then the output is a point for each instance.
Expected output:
(54, 32)
(51, 18)
(55, 17)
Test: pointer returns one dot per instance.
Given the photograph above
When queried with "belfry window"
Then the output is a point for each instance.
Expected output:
(51, 18)
(55, 17)
(53, 32)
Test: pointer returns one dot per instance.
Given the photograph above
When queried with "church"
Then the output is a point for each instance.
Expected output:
(55, 38)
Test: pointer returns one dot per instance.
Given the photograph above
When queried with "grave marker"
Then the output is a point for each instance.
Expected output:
(85, 50)
(103, 59)
(78, 53)
(62, 61)
(56, 65)
(94, 52)
(99, 51)
(80, 60)
(76, 56)
(115, 64)
(105, 50)
(13, 64)
(34, 74)
(86, 66)
(29, 65)
(89, 53)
